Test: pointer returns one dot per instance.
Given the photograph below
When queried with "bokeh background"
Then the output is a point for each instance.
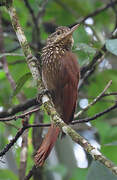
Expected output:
(96, 37)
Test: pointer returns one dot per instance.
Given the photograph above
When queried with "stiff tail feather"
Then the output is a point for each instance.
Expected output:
(47, 145)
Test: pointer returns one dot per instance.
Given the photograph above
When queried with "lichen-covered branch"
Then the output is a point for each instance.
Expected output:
(32, 61)
(94, 152)
(21, 98)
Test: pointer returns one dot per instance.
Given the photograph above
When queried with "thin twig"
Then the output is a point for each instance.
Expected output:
(34, 20)
(20, 107)
(32, 14)
(67, 8)
(95, 100)
(3, 58)
(98, 55)
(96, 115)
(42, 8)
(12, 142)
(38, 125)
(80, 120)
(19, 133)
(19, 116)
(98, 11)
(30, 174)
(17, 62)
(110, 94)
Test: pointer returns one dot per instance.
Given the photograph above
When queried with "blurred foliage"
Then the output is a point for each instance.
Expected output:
(111, 46)
(98, 171)
(7, 174)
(87, 41)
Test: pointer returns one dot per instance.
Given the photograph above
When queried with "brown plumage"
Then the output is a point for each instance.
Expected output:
(60, 75)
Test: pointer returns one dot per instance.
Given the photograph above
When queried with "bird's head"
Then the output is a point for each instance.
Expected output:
(62, 36)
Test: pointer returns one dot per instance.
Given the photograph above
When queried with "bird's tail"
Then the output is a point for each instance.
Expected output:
(47, 145)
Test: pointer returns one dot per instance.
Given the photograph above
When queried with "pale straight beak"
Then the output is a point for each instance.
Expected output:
(72, 30)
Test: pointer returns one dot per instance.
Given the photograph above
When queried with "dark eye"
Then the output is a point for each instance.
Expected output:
(58, 32)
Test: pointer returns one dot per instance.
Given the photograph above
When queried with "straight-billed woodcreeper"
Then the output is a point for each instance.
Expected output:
(60, 75)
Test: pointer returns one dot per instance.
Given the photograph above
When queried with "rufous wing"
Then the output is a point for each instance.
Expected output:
(67, 87)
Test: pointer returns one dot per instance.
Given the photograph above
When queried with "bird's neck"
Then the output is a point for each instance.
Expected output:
(52, 51)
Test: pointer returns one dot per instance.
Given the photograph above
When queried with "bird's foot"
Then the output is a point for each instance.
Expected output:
(42, 93)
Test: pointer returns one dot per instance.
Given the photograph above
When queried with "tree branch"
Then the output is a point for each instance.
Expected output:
(21, 98)
(32, 14)
(98, 11)
(30, 174)
(32, 61)
(96, 115)
(18, 134)
(35, 21)
(95, 100)
(13, 141)
(54, 115)
(42, 8)
(94, 152)
(20, 107)
(18, 116)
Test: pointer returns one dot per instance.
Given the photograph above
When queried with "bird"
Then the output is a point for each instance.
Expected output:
(60, 76)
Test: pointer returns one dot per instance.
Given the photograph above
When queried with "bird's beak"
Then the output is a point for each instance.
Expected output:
(72, 30)
(68, 34)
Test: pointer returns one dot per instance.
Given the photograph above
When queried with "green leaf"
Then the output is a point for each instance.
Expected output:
(21, 82)
(98, 171)
(86, 48)
(111, 46)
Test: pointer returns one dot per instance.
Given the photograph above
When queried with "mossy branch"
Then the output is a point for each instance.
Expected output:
(31, 60)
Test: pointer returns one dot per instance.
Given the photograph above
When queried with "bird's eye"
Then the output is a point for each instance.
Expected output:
(58, 32)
